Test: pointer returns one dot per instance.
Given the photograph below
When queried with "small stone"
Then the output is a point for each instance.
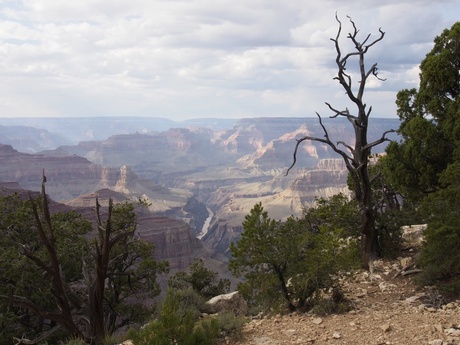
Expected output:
(438, 328)
(411, 299)
(336, 335)
(290, 332)
(264, 341)
(386, 327)
(435, 342)
(405, 261)
(317, 320)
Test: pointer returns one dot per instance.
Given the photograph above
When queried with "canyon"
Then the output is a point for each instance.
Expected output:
(199, 179)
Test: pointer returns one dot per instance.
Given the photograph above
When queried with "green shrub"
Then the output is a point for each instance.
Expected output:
(286, 264)
(192, 301)
(202, 280)
(440, 255)
(231, 325)
(334, 304)
(440, 259)
(177, 324)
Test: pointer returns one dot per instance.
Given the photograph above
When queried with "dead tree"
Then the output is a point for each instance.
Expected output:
(356, 157)
(103, 246)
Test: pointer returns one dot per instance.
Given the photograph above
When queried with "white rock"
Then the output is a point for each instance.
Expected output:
(290, 332)
(435, 342)
(453, 332)
(317, 320)
(411, 299)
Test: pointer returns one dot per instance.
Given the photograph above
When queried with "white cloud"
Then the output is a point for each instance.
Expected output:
(201, 57)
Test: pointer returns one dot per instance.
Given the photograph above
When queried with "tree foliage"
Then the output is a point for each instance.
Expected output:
(440, 257)
(57, 276)
(430, 126)
(286, 262)
(425, 164)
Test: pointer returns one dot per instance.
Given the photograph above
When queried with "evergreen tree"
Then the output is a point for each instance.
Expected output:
(425, 164)
(289, 262)
(430, 122)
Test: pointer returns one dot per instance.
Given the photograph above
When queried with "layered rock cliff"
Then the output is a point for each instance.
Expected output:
(173, 239)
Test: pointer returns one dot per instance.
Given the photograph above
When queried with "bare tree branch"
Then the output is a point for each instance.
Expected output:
(24, 302)
(327, 141)
(379, 141)
(39, 338)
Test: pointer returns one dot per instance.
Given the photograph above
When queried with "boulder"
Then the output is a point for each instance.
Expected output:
(230, 302)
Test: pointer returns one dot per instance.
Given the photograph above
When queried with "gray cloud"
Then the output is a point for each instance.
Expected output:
(202, 58)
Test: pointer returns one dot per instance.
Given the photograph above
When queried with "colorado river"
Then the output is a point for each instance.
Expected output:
(205, 228)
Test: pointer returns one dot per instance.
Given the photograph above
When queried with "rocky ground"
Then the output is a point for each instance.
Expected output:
(385, 310)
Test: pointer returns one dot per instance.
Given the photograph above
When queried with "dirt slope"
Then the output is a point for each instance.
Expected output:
(386, 310)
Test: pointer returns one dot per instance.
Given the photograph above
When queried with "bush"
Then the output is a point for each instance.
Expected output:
(231, 325)
(440, 257)
(192, 301)
(334, 304)
(286, 264)
(176, 324)
(202, 280)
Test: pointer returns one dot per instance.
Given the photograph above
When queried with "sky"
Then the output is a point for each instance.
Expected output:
(183, 59)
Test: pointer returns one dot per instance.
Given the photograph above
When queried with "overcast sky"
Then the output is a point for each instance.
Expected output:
(185, 59)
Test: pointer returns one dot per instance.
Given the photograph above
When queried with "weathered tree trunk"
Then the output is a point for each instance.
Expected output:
(65, 300)
(104, 244)
(284, 289)
(96, 292)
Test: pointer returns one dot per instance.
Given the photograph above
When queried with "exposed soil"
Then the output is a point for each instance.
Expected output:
(385, 310)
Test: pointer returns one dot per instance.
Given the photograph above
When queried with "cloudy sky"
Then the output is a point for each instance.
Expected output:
(185, 59)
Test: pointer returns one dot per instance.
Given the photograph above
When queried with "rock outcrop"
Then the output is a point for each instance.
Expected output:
(231, 302)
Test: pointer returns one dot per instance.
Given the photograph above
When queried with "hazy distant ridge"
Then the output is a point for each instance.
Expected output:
(31, 134)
